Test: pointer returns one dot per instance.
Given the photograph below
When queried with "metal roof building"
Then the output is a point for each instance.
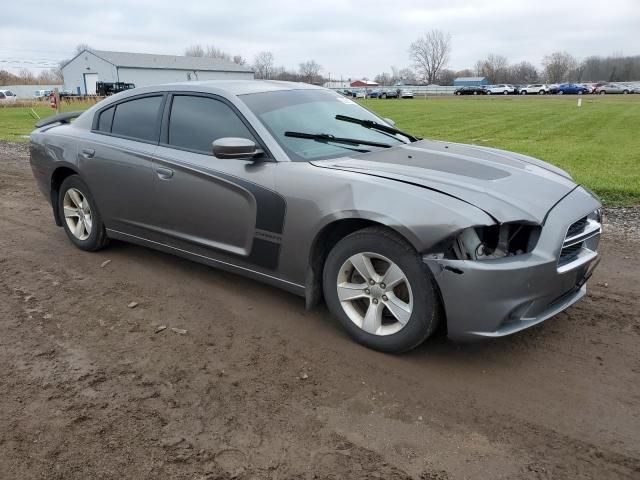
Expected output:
(470, 81)
(90, 66)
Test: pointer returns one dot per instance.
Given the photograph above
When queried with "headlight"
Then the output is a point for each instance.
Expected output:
(496, 241)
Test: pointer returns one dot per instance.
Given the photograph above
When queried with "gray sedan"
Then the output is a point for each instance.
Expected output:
(304, 189)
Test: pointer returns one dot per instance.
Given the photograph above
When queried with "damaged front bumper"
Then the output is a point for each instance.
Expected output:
(493, 298)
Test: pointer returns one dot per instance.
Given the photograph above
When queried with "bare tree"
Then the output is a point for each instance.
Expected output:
(310, 70)
(27, 76)
(494, 67)
(239, 59)
(81, 47)
(263, 65)
(430, 54)
(407, 75)
(558, 66)
(523, 72)
(383, 78)
(445, 77)
(214, 52)
(49, 77)
(194, 51)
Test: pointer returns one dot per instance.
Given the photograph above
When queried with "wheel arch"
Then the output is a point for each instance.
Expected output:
(326, 238)
(57, 177)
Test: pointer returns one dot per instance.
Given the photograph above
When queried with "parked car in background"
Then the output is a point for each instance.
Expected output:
(104, 89)
(247, 177)
(389, 93)
(612, 88)
(553, 88)
(535, 89)
(635, 89)
(503, 88)
(406, 93)
(374, 94)
(471, 90)
(7, 96)
(358, 93)
(571, 88)
(40, 94)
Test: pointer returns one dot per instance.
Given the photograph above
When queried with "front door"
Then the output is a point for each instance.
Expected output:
(210, 206)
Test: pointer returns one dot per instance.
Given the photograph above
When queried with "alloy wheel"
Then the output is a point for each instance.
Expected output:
(375, 293)
(77, 214)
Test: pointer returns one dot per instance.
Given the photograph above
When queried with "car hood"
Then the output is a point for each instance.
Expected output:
(508, 186)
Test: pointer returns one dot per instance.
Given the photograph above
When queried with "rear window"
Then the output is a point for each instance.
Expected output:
(2, 95)
(106, 119)
(138, 119)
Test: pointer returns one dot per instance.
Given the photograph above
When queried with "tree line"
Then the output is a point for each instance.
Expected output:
(263, 65)
(430, 55)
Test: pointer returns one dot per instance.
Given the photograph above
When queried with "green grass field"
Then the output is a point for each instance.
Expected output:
(17, 122)
(598, 143)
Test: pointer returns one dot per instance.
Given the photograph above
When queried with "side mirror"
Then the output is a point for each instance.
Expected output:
(232, 147)
(390, 122)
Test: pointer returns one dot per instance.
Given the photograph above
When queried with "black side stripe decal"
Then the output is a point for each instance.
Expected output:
(271, 209)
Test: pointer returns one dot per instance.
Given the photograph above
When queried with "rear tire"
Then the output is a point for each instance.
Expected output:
(365, 309)
(80, 216)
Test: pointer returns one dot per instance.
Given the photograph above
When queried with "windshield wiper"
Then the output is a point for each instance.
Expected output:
(325, 138)
(376, 126)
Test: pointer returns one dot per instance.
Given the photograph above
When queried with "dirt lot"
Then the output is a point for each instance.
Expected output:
(259, 388)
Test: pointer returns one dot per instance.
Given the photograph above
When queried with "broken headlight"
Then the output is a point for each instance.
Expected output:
(495, 241)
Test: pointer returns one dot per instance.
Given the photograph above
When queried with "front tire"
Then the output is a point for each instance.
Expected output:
(380, 290)
(80, 217)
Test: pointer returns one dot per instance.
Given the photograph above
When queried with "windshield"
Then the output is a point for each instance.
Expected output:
(314, 112)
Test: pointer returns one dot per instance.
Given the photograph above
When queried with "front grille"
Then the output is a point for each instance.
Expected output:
(569, 253)
(580, 243)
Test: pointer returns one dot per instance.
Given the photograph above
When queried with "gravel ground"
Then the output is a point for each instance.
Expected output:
(244, 383)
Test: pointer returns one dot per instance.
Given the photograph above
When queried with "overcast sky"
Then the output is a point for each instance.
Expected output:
(349, 39)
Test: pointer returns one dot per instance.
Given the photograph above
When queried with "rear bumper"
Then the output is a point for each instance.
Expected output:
(494, 298)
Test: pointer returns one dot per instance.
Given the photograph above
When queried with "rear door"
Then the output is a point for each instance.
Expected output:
(115, 159)
(210, 206)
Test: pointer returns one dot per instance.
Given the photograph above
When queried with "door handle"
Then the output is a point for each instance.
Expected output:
(88, 152)
(164, 173)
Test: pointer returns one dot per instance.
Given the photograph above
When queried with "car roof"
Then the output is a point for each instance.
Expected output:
(233, 87)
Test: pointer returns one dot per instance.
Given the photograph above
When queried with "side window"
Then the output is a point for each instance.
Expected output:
(195, 122)
(138, 119)
(105, 120)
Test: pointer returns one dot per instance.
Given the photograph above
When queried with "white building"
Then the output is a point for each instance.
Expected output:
(90, 66)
